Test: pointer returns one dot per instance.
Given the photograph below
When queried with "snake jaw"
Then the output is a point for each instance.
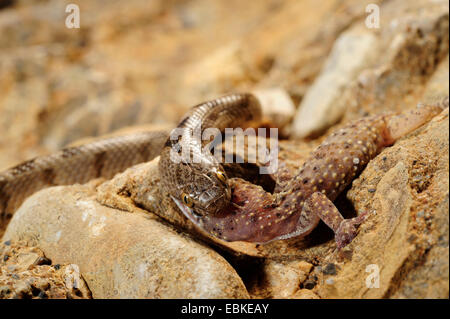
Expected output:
(188, 212)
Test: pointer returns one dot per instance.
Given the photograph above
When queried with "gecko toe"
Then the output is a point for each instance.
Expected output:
(347, 230)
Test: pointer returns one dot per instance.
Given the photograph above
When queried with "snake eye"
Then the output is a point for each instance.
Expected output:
(221, 176)
(187, 200)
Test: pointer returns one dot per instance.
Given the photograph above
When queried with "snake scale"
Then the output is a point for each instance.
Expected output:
(202, 190)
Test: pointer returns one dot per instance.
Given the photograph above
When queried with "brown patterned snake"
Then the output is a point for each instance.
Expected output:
(203, 184)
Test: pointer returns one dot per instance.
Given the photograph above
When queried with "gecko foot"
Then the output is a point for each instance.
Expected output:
(348, 230)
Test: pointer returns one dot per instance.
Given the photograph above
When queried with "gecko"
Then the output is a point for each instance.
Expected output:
(296, 207)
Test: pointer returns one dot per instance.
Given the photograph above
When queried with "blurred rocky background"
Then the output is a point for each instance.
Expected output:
(139, 62)
(142, 62)
(145, 63)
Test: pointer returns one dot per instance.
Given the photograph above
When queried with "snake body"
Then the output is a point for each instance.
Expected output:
(104, 158)
(79, 164)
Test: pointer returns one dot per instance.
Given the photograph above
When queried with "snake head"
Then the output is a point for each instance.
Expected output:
(202, 190)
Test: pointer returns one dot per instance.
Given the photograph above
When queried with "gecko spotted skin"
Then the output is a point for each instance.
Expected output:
(296, 207)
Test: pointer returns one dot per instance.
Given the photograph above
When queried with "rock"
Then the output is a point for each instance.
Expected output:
(210, 72)
(305, 294)
(27, 273)
(437, 87)
(418, 46)
(283, 279)
(372, 81)
(277, 106)
(121, 254)
(329, 269)
(352, 52)
(410, 253)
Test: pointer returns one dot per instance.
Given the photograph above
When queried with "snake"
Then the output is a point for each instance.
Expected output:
(199, 188)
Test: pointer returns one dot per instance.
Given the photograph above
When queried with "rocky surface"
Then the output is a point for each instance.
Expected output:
(25, 273)
(141, 62)
(120, 254)
(402, 55)
(316, 68)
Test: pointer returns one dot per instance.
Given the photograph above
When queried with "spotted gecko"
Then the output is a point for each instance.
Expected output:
(296, 207)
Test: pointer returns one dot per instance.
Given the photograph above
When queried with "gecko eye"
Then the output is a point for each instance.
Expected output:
(221, 176)
(187, 200)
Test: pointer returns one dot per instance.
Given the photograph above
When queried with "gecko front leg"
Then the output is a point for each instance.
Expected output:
(344, 229)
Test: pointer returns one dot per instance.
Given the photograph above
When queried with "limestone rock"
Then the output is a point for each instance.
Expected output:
(25, 272)
(281, 280)
(277, 106)
(352, 52)
(402, 249)
(121, 254)
(305, 294)
(354, 83)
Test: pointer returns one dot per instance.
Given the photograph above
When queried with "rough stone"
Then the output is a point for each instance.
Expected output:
(277, 106)
(393, 240)
(305, 294)
(27, 273)
(281, 280)
(121, 254)
(352, 52)
(383, 73)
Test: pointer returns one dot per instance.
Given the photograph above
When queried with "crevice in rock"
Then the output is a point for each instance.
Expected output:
(416, 259)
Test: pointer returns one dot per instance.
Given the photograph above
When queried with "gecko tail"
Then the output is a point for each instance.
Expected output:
(401, 124)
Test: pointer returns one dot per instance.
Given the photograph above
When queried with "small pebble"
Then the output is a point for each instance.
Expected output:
(11, 268)
(329, 281)
(8, 242)
(330, 269)
(371, 190)
(57, 266)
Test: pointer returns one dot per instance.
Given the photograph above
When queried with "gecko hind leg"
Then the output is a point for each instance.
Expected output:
(344, 229)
